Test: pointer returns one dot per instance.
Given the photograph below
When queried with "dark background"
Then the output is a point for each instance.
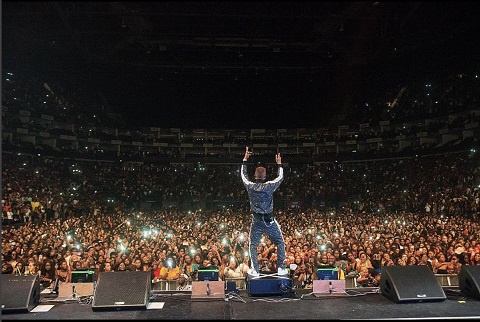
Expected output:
(237, 64)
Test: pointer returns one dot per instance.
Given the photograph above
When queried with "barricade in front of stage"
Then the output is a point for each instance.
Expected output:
(350, 282)
(164, 285)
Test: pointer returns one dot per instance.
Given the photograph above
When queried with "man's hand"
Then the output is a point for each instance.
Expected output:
(278, 158)
(247, 154)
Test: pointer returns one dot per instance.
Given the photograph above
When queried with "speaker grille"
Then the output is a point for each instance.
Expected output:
(410, 284)
(269, 286)
(20, 293)
(122, 290)
(469, 280)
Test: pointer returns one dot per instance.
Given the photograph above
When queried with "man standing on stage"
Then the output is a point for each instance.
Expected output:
(260, 194)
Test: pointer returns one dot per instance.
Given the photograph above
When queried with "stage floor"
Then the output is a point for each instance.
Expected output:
(365, 303)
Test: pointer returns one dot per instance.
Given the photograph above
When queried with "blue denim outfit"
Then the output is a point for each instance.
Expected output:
(260, 194)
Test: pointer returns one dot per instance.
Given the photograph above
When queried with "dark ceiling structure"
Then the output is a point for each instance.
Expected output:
(311, 43)
(224, 37)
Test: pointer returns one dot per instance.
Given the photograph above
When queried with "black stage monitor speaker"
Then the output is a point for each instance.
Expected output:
(469, 280)
(122, 291)
(410, 284)
(20, 293)
(269, 285)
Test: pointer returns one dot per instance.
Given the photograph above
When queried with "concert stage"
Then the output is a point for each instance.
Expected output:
(358, 303)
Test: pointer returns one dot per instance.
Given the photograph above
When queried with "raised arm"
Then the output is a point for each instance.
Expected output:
(247, 154)
(243, 170)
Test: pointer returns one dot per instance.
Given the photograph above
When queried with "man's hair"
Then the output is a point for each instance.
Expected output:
(260, 173)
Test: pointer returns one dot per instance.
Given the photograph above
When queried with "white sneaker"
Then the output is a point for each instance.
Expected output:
(282, 271)
(253, 273)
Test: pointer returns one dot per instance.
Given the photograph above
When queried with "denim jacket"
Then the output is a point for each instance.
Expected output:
(261, 192)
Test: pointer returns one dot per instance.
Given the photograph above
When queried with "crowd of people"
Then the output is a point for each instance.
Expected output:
(422, 111)
(61, 214)
(356, 216)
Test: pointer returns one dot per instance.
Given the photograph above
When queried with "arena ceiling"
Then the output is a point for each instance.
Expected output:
(325, 46)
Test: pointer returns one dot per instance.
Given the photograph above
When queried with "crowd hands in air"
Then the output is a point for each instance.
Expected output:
(393, 212)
